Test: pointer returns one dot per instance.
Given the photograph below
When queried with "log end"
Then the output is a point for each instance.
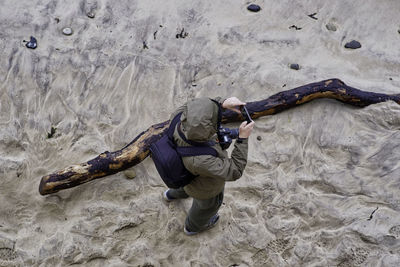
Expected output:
(44, 188)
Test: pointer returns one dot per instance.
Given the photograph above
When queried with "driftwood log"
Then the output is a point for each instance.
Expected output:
(109, 163)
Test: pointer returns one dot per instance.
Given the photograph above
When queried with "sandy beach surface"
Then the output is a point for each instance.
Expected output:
(322, 183)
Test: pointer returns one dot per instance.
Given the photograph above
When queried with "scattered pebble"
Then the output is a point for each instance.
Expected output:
(57, 20)
(331, 27)
(254, 8)
(32, 44)
(52, 132)
(294, 66)
(90, 15)
(145, 45)
(295, 27)
(353, 45)
(313, 16)
(130, 174)
(182, 34)
(259, 138)
(398, 31)
(67, 31)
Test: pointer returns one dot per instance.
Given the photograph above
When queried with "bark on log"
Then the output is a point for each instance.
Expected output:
(112, 162)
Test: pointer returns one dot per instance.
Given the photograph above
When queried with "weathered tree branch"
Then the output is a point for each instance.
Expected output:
(112, 162)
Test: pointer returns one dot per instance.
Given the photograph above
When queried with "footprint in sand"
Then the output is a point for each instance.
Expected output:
(7, 254)
(278, 245)
(356, 258)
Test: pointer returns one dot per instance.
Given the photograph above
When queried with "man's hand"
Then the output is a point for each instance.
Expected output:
(233, 103)
(245, 129)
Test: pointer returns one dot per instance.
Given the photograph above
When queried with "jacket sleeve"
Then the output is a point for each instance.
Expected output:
(229, 169)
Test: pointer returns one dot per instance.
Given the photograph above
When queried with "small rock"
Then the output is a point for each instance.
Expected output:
(90, 15)
(67, 31)
(353, 45)
(294, 66)
(398, 31)
(130, 174)
(254, 8)
(32, 44)
(331, 27)
(259, 138)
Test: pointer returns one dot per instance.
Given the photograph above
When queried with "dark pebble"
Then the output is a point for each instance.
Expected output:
(254, 8)
(182, 34)
(32, 44)
(313, 16)
(294, 66)
(52, 132)
(353, 45)
(295, 27)
(259, 138)
(91, 15)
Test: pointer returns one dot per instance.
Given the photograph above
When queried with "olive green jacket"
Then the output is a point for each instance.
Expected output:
(199, 123)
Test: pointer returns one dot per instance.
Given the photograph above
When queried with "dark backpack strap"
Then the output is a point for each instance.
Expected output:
(189, 151)
(172, 125)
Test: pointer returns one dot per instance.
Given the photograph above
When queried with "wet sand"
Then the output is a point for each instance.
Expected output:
(322, 184)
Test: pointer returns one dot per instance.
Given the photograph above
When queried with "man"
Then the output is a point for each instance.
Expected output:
(199, 122)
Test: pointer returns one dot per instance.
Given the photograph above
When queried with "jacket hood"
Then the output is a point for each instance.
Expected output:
(199, 119)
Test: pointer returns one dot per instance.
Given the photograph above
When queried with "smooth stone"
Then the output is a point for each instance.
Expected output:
(353, 45)
(294, 66)
(331, 27)
(67, 31)
(254, 8)
(91, 15)
(130, 174)
(32, 44)
(259, 138)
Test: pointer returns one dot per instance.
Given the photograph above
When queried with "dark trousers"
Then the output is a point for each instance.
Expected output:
(201, 211)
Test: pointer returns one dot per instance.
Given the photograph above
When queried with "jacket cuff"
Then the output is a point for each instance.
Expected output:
(242, 140)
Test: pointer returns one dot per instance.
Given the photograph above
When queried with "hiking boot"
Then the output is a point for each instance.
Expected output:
(167, 197)
(213, 221)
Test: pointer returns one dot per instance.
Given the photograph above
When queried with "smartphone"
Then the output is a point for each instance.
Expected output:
(245, 114)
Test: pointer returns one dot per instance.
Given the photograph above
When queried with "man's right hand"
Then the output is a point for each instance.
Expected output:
(245, 129)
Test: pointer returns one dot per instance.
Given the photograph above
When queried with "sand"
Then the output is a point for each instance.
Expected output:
(321, 188)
